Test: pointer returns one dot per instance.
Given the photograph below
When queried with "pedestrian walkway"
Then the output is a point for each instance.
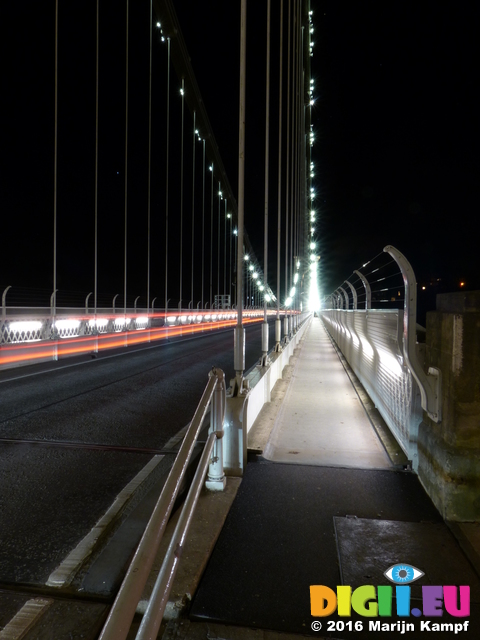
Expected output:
(322, 421)
(323, 506)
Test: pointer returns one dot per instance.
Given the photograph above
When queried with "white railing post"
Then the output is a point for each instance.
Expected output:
(285, 329)
(354, 294)
(86, 302)
(53, 330)
(368, 290)
(345, 295)
(430, 384)
(4, 297)
(216, 480)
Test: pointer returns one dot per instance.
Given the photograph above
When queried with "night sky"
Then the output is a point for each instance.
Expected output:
(395, 120)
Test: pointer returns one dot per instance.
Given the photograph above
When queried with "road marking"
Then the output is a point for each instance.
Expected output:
(65, 572)
(23, 621)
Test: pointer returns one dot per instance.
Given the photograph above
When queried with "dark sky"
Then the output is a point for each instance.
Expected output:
(396, 125)
(395, 118)
(397, 122)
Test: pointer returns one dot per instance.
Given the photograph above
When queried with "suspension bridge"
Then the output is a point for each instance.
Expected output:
(196, 439)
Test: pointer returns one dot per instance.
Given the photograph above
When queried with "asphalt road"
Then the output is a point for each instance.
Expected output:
(55, 482)
(133, 399)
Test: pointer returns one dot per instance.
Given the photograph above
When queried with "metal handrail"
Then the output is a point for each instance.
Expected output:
(430, 384)
(153, 615)
(119, 620)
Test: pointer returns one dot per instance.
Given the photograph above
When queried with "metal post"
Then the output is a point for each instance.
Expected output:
(53, 332)
(149, 156)
(218, 240)
(216, 480)
(53, 304)
(292, 163)
(96, 167)
(347, 302)
(126, 174)
(285, 329)
(287, 169)
(86, 302)
(167, 179)
(181, 188)
(430, 384)
(193, 200)
(235, 275)
(368, 290)
(166, 314)
(211, 241)
(267, 149)
(229, 216)
(354, 293)
(239, 333)
(278, 324)
(203, 224)
(225, 251)
(4, 298)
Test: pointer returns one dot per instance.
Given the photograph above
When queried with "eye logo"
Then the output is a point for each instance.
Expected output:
(403, 573)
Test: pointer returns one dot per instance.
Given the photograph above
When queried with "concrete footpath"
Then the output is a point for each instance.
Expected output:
(323, 501)
(321, 420)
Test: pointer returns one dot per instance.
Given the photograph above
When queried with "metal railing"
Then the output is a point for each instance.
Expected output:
(119, 620)
(23, 324)
(34, 335)
(381, 348)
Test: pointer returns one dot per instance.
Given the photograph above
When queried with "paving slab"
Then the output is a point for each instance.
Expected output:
(367, 548)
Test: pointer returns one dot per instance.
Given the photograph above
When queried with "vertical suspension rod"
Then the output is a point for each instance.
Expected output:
(167, 178)
(126, 175)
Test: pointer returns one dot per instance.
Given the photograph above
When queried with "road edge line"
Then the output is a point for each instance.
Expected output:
(25, 619)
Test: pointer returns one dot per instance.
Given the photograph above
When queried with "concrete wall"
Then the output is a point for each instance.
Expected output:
(449, 452)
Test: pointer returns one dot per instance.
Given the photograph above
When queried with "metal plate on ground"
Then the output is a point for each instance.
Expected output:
(367, 548)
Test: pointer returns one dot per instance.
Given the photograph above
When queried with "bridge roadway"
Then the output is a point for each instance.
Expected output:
(73, 435)
(327, 500)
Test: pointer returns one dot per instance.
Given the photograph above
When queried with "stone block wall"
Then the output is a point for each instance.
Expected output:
(449, 452)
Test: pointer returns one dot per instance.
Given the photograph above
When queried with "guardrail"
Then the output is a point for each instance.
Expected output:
(118, 623)
(37, 336)
(381, 348)
(371, 341)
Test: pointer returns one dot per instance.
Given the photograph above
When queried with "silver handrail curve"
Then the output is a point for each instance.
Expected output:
(430, 384)
(119, 620)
